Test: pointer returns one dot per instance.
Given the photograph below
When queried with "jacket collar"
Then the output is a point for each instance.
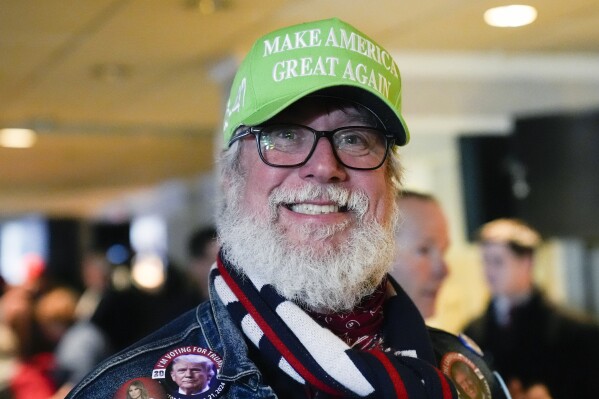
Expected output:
(223, 337)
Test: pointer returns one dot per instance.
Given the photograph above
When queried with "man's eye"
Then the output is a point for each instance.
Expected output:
(353, 139)
(287, 139)
(266, 142)
(286, 135)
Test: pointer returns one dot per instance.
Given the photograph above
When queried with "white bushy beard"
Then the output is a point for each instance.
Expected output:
(313, 272)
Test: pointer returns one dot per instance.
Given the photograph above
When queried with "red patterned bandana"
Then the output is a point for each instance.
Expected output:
(361, 327)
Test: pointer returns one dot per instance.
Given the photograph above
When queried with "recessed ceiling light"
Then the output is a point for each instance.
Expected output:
(510, 16)
(17, 138)
(207, 7)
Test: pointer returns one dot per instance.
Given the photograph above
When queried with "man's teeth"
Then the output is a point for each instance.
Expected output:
(311, 209)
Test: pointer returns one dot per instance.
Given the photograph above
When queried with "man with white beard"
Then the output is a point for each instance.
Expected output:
(301, 305)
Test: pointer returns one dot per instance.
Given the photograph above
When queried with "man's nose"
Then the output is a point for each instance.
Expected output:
(440, 268)
(323, 166)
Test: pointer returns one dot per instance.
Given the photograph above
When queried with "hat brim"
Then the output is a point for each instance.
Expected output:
(392, 120)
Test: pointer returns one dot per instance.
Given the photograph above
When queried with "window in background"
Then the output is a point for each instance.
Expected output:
(23, 249)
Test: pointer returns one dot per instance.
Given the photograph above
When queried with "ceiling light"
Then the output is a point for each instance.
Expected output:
(207, 7)
(17, 138)
(510, 16)
(148, 272)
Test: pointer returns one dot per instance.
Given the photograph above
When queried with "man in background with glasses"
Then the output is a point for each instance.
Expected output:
(301, 305)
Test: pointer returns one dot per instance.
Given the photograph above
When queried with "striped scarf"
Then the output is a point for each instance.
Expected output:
(312, 355)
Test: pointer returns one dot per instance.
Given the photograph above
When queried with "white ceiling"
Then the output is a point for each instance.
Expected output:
(103, 136)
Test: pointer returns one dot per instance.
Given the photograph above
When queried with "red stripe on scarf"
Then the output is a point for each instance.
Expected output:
(444, 385)
(271, 335)
(400, 389)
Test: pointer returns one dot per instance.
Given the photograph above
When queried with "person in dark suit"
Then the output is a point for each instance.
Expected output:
(529, 339)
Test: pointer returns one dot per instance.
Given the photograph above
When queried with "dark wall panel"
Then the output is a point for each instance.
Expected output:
(560, 155)
(486, 182)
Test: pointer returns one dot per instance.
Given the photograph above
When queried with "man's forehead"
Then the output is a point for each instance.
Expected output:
(496, 250)
(414, 212)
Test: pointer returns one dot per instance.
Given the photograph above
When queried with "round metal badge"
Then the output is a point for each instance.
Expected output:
(469, 381)
(190, 372)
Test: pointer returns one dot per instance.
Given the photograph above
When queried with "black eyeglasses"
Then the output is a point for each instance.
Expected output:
(290, 145)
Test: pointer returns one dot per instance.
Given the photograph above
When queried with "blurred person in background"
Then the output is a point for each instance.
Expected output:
(29, 363)
(84, 344)
(95, 276)
(8, 362)
(528, 339)
(422, 239)
(55, 313)
(127, 314)
(202, 251)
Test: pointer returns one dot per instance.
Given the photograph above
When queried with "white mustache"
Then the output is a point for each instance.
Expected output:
(354, 201)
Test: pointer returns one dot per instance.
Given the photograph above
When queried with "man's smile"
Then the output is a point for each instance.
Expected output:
(316, 209)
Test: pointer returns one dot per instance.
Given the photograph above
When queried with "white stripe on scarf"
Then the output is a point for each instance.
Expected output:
(325, 347)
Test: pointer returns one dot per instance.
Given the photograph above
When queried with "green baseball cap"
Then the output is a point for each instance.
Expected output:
(288, 64)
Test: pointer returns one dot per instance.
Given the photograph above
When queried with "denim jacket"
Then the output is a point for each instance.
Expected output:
(208, 329)
(208, 326)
